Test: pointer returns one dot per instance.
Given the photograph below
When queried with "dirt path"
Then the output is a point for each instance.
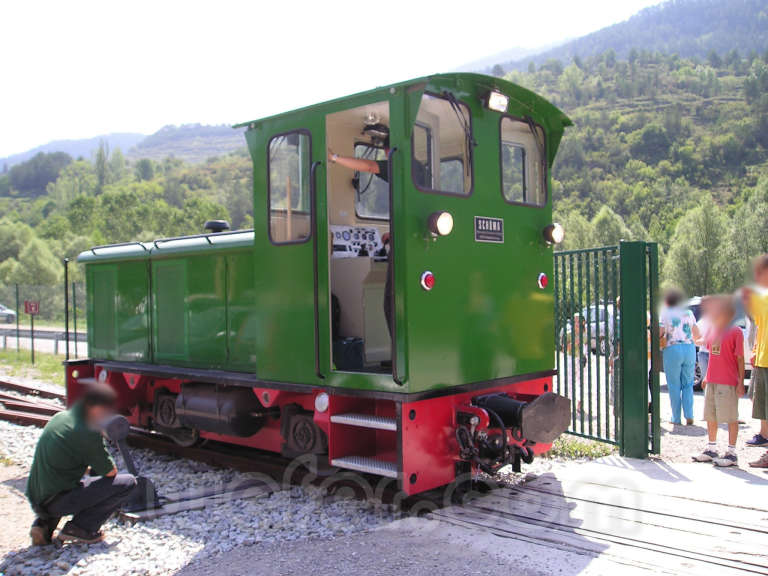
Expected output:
(679, 443)
(15, 515)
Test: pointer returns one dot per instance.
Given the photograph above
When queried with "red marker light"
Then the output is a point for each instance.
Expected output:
(543, 281)
(427, 280)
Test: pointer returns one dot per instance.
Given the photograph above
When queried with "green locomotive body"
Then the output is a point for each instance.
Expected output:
(296, 309)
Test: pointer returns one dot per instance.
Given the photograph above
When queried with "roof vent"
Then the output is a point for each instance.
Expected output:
(215, 226)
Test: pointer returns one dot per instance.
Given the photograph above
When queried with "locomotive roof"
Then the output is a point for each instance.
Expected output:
(538, 107)
(236, 239)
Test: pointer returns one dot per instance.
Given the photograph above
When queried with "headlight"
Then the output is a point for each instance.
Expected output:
(321, 402)
(497, 101)
(554, 233)
(440, 223)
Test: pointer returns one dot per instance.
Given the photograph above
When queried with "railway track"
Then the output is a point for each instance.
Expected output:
(29, 410)
(30, 406)
(36, 407)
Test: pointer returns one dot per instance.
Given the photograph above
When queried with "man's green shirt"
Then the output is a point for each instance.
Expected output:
(65, 450)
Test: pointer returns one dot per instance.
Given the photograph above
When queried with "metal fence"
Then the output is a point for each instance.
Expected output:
(605, 330)
(46, 332)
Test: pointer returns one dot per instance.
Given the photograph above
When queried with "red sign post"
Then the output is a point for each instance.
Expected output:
(32, 307)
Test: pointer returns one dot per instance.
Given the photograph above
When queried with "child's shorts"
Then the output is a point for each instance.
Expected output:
(721, 403)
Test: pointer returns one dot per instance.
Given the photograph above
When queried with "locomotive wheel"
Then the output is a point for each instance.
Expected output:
(184, 437)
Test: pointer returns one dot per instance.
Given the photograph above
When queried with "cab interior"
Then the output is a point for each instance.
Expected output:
(358, 217)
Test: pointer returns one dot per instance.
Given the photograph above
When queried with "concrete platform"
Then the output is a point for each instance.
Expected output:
(648, 516)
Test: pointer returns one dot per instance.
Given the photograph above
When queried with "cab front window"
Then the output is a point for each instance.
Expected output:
(522, 163)
(441, 144)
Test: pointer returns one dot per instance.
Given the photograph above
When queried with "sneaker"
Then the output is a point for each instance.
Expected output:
(73, 533)
(757, 441)
(42, 531)
(689, 422)
(730, 459)
(761, 462)
(706, 456)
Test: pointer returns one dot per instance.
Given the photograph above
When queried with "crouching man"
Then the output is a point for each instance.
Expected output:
(70, 446)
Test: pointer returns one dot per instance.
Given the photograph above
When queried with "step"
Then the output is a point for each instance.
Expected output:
(367, 465)
(365, 421)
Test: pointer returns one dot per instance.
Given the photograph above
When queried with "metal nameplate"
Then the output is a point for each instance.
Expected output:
(489, 230)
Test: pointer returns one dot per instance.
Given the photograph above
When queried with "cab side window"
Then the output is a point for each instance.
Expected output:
(289, 202)
(441, 144)
(522, 163)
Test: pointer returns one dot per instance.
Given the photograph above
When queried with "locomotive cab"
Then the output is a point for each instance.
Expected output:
(396, 320)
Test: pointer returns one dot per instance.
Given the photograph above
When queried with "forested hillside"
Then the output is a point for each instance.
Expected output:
(54, 206)
(665, 148)
(689, 28)
(190, 142)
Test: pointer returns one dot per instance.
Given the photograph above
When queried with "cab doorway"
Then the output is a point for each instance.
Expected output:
(357, 142)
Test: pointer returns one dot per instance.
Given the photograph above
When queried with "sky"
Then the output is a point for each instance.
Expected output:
(79, 69)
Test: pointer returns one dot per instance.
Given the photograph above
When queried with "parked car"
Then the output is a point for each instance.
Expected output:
(7, 314)
(600, 317)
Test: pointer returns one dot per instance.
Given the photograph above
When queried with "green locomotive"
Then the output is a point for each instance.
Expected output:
(390, 311)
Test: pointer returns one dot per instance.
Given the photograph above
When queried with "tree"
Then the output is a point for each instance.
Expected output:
(101, 165)
(714, 59)
(31, 178)
(651, 144)
(498, 70)
(14, 236)
(116, 165)
(695, 259)
(608, 228)
(80, 214)
(36, 265)
(578, 231)
(746, 237)
(144, 169)
(77, 179)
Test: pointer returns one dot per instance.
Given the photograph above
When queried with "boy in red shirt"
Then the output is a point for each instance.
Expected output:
(724, 382)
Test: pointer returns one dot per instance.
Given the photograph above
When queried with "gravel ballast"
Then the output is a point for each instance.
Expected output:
(284, 518)
(164, 545)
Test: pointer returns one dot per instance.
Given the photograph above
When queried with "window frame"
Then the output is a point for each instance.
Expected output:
(471, 190)
(269, 189)
(357, 214)
(544, 165)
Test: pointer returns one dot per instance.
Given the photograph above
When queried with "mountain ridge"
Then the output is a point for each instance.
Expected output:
(189, 142)
(688, 28)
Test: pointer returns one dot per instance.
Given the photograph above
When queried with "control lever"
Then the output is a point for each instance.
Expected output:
(144, 495)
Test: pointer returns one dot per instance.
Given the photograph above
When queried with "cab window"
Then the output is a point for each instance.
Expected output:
(441, 144)
(522, 163)
(289, 204)
(372, 191)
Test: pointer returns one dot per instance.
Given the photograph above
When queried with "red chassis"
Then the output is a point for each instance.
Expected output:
(422, 443)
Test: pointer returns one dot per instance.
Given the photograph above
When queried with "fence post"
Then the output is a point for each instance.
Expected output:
(74, 313)
(32, 336)
(66, 309)
(653, 306)
(18, 314)
(634, 350)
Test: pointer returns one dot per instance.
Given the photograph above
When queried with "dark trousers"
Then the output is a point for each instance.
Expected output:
(92, 502)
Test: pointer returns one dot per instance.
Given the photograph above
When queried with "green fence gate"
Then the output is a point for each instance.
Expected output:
(607, 343)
